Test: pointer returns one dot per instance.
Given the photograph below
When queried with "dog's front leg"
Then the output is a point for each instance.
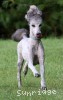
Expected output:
(30, 64)
(35, 72)
(42, 69)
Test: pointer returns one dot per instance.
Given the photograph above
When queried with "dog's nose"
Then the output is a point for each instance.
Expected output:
(39, 35)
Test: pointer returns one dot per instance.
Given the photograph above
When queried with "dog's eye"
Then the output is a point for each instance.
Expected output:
(40, 25)
(33, 25)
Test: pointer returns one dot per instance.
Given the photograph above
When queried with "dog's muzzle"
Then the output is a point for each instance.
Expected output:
(39, 35)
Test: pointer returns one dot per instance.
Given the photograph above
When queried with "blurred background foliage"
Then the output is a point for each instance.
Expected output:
(12, 14)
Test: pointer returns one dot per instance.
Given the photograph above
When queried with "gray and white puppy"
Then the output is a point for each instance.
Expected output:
(31, 48)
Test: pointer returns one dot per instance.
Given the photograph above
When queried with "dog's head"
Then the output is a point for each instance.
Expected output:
(34, 19)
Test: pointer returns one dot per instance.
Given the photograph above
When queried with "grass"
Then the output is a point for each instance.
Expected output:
(53, 71)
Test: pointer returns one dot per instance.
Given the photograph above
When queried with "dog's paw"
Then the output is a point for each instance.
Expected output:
(37, 75)
(44, 88)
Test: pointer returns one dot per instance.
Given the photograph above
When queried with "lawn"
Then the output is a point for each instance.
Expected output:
(53, 70)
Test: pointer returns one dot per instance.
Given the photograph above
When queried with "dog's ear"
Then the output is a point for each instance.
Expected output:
(26, 17)
(32, 11)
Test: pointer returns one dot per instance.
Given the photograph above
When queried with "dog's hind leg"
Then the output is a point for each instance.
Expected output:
(19, 68)
(25, 68)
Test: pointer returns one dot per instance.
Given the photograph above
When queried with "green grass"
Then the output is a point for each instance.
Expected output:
(53, 71)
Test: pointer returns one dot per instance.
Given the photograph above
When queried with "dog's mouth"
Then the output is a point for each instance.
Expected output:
(39, 36)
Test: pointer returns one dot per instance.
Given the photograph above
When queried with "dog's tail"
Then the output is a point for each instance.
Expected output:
(20, 34)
